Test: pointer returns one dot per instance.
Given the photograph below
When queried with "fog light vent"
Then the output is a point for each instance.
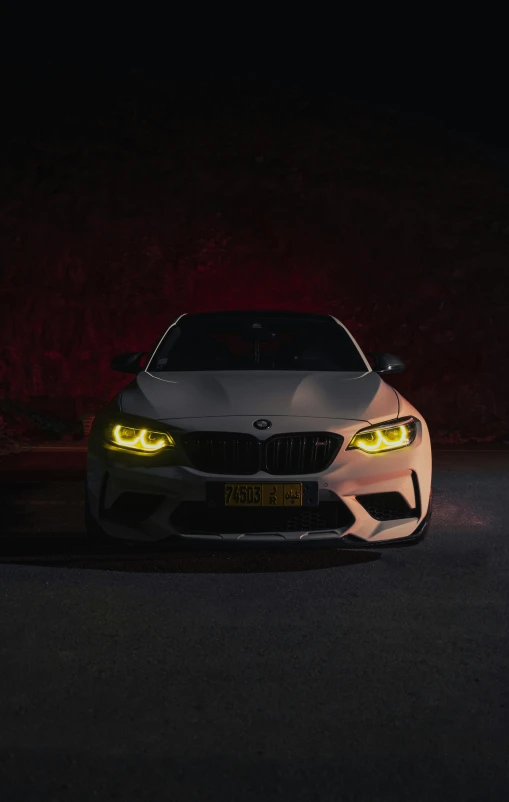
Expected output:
(386, 506)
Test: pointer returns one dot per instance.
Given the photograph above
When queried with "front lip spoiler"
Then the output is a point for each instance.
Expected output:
(417, 536)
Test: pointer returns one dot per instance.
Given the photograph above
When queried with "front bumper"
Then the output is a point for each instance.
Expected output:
(173, 500)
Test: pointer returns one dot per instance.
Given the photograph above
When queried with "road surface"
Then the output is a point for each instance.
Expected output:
(257, 675)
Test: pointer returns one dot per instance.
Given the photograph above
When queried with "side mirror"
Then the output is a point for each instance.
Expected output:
(128, 363)
(387, 363)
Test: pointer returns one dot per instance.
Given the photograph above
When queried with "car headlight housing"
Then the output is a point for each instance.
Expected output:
(385, 437)
(145, 441)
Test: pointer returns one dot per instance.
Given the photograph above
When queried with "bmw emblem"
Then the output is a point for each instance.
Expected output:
(262, 424)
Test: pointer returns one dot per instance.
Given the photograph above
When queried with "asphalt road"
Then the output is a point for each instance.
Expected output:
(257, 675)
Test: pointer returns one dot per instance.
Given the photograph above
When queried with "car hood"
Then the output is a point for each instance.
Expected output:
(170, 396)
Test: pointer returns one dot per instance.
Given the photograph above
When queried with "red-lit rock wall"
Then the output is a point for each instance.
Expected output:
(123, 206)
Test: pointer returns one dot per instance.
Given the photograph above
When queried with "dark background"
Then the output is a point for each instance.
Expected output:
(154, 164)
(151, 164)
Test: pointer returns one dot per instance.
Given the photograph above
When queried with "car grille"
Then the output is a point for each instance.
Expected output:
(244, 454)
(197, 518)
(223, 452)
(386, 506)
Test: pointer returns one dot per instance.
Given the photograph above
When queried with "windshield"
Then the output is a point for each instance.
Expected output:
(271, 344)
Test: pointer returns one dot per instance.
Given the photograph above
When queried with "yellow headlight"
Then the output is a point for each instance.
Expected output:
(143, 440)
(388, 438)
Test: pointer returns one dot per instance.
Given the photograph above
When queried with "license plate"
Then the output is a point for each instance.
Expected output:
(250, 494)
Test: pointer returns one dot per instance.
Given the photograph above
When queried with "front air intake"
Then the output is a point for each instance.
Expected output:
(386, 506)
(133, 507)
(197, 518)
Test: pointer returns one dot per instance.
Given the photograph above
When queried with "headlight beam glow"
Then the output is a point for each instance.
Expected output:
(385, 438)
(140, 439)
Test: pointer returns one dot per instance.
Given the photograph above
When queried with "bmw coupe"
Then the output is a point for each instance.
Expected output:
(259, 426)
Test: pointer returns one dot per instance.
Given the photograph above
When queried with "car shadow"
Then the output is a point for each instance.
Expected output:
(170, 557)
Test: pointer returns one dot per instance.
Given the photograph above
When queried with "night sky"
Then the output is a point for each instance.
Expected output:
(449, 67)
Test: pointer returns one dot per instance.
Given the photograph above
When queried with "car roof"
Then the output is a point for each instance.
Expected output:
(256, 315)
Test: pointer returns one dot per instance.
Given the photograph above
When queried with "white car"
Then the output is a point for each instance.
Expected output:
(260, 426)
